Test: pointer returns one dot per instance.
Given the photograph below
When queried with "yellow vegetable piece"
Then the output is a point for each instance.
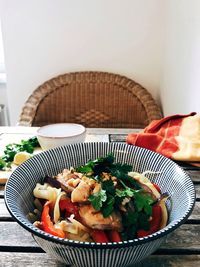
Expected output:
(164, 210)
(20, 157)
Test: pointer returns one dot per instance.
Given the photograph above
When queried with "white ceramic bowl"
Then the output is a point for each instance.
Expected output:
(59, 134)
(172, 179)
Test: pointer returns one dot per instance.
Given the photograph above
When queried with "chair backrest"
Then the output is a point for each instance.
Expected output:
(94, 99)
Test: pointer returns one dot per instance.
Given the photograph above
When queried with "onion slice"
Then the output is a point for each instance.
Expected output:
(162, 204)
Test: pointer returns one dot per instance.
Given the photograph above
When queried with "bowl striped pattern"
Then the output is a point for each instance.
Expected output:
(170, 177)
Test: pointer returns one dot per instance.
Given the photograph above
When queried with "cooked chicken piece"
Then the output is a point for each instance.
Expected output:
(81, 192)
(95, 220)
(97, 188)
(68, 174)
(68, 180)
(73, 182)
(64, 185)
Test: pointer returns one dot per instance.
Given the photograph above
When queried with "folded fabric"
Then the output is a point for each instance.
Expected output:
(176, 137)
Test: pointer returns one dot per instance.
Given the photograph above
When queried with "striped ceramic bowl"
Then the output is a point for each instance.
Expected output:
(171, 179)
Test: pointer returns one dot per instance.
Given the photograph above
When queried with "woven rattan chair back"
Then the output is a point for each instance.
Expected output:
(94, 99)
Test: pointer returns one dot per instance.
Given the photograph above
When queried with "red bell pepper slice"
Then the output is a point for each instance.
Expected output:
(157, 187)
(154, 223)
(70, 207)
(99, 236)
(114, 236)
(47, 224)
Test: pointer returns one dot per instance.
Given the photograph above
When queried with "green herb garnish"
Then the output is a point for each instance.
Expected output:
(111, 197)
(97, 199)
(95, 167)
(12, 149)
(143, 202)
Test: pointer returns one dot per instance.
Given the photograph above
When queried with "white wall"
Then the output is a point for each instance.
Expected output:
(180, 90)
(3, 94)
(49, 37)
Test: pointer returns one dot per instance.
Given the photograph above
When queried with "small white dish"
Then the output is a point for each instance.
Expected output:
(59, 134)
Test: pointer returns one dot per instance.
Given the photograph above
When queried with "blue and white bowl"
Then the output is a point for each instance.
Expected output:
(171, 179)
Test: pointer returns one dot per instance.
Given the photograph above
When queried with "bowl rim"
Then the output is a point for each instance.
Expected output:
(82, 127)
(137, 241)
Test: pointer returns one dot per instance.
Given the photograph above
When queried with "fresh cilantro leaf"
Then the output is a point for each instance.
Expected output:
(128, 192)
(109, 187)
(143, 202)
(97, 166)
(2, 164)
(118, 201)
(26, 146)
(124, 177)
(10, 151)
(132, 221)
(34, 141)
(143, 221)
(109, 159)
(105, 199)
(130, 218)
(103, 164)
(123, 167)
(108, 206)
(97, 199)
(85, 169)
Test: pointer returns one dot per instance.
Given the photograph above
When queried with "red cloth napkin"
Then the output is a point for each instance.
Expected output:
(176, 137)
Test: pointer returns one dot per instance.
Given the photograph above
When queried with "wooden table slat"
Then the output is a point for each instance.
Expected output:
(14, 235)
(194, 175)
(42, 259)
(28, 259)
(171, 261)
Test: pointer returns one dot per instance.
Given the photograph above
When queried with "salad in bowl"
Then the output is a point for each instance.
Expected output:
(101, 202)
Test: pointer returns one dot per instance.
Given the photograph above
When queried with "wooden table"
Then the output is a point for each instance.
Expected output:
(18, 249)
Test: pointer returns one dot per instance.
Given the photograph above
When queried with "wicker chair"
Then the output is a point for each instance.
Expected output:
(94, 99)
